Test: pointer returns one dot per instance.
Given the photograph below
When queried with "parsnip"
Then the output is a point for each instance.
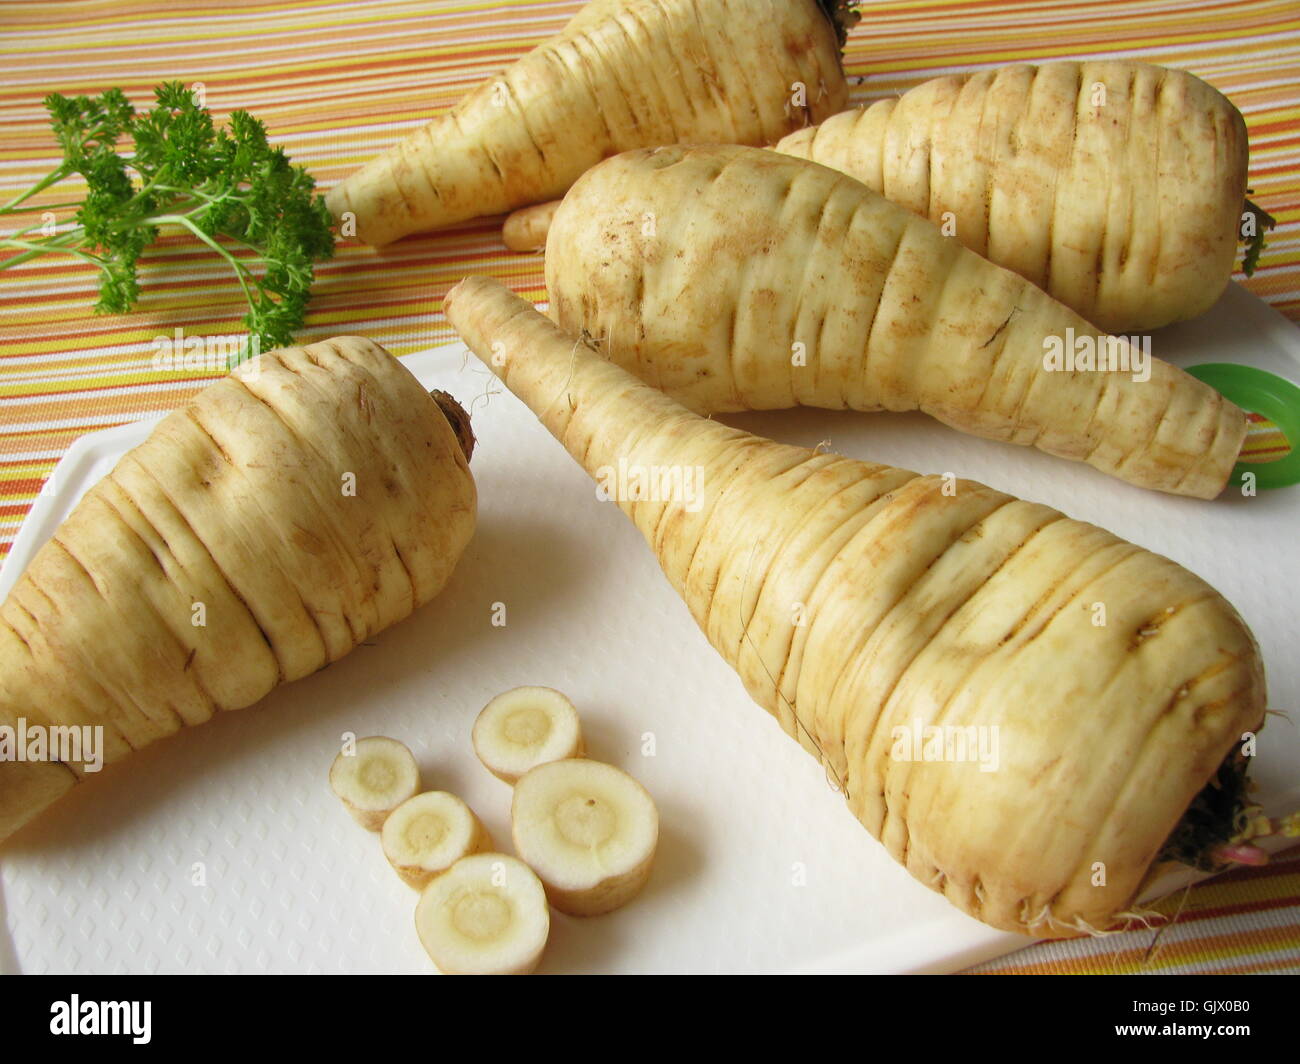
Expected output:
(736, 278)
(290, 511)
(486, 915)
(430, 832)
(622, 74)
(857, 602)
(589, 831)
(525, 727)
(526, 228)
(374, 777)
(1115, 186)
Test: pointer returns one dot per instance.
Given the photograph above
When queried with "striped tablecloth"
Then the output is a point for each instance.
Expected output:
(336, 81)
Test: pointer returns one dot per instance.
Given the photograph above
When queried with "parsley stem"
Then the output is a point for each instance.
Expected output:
(35, 248)
(53, 177)
(182, 220)
(227, 188)
(50, 243)
(40, 207)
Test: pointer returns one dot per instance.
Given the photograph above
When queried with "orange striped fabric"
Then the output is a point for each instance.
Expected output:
(1240, 922)
(336, 80)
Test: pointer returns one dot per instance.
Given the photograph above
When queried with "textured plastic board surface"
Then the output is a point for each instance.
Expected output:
(223, 849)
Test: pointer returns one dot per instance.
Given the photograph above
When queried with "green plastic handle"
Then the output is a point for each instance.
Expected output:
(1260, 392)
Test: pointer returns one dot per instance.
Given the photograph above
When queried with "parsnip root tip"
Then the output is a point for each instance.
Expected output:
(526, 228)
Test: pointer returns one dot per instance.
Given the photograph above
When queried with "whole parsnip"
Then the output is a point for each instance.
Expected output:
(859, 603)
(622, 74)
(1115, 186)
(740, 279)
(287, 513)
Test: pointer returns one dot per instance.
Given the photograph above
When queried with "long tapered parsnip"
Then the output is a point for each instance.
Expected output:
(739, 279)
(287, 513)
(623, 74)
(1115, 186)
(859, 603)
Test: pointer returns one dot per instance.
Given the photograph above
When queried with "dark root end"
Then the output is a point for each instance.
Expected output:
(1216, 817)
(458, 420)
(843, 15)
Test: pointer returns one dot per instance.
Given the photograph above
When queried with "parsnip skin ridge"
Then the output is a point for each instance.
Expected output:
(622, 74)
(1115, 186)
(237, 501)
(971, 609)
(766, 282)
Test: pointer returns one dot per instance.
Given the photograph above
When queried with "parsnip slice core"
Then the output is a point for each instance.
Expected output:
(374, 778)
(589, 831)
(486, 915)
(525, 727)
(427, 834)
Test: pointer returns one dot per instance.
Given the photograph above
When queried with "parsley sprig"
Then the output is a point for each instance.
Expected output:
(228, 188)
(1263, 221)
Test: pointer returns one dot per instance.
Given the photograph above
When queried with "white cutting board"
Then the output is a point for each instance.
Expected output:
(761, 867)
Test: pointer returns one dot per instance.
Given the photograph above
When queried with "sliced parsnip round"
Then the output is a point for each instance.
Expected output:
(486, 915)
(526, 727)
(427, 834)
(589, 831)
(377, 776)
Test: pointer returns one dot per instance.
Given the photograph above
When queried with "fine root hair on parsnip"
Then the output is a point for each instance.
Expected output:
(289, 512)
(859, 602)
(1116, 186)
(486, 915)
(526, 228)
(427, 834)
(589, 831)
(622, 74)
(767, 282)
(372, 777)
(525, 727)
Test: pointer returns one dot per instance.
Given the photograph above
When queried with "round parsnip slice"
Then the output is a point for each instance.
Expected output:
(588, 830)
(427, 834)
(486, 915)
(374, 779)
(526, 727)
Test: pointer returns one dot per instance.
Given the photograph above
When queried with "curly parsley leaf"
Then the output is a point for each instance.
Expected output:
(227, 187)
